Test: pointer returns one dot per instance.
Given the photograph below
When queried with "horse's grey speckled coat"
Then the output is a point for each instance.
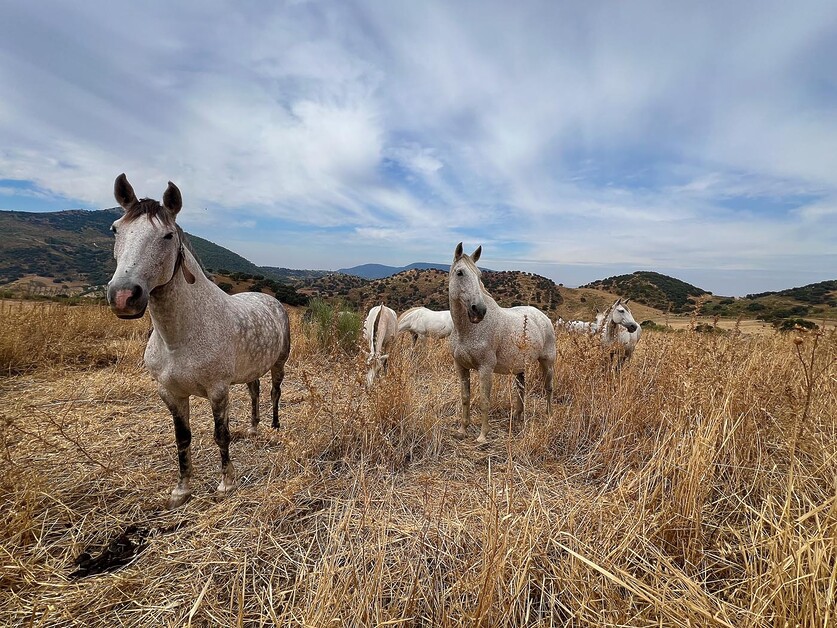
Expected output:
(492, 339)
(203, 340)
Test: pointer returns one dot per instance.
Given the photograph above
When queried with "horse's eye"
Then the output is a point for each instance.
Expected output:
(168, 236)
(113, 228)
(458, 273)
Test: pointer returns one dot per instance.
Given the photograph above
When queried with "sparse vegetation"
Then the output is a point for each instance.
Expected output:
(697, 488)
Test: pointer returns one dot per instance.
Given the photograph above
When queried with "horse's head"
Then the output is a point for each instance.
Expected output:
(621, 315)
(148, 251)
(464, 285)
(376, 365)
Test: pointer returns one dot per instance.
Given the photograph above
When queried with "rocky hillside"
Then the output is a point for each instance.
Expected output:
(428, 287)
(653, 289)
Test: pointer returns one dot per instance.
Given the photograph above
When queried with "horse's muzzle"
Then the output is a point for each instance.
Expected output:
(127, 301)
(631, 328)
(476, 313)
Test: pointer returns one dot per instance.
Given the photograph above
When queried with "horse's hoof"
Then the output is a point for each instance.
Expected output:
(252, 431)
(275, 425)
(482, 440)
(179, 497)
(459, 434)
(226, 486)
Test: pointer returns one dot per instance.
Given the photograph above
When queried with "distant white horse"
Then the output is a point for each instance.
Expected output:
(620, 332)
(420, 321)
(581, 327)
(492, 339)
(379, 331)
(204, 340)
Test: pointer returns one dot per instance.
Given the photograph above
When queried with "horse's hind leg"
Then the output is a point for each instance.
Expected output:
(277, 374)
(179, 408)
(220, 403)
(253, 387)
(548, 372)
(520, 389)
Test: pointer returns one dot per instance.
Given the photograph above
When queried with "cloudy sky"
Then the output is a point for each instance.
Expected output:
(573, 139)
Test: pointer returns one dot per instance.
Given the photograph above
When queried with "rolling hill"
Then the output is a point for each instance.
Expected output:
(75, 246)
(653, 289)
(428, 287)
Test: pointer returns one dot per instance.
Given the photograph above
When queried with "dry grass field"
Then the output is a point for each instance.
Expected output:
(696, 488)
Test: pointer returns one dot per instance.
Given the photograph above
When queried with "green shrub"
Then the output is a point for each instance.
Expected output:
(332, 326)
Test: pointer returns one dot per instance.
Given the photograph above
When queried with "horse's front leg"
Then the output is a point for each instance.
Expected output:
(485, 401)
(464, 398)
(179, 408)
(220, 401)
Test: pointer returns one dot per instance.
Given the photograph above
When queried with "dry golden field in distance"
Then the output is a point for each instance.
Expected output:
(696, 488)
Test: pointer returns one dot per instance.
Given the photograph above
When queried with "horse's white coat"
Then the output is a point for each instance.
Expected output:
(492, 339)
(620, 332)
(379, 330)
(581, 327)
(421, 321)
(203, 339)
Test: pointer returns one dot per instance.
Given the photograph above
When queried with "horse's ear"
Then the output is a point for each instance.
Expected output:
(172, 200)
(476, 254)
(619, 300)
(625, 302)
(124, 193)
(458, 252)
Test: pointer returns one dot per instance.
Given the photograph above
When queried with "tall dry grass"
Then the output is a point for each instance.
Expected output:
(694, 488)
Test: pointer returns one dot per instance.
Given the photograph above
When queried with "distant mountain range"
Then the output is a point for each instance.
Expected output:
(75, 247)
(379, 271)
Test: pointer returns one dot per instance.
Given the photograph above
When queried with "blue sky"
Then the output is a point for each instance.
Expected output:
(573, 139)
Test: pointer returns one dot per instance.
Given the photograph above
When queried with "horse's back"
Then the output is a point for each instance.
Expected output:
(263, 336)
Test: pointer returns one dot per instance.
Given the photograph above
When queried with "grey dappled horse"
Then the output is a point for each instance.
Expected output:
(203, 339)
(493, 339)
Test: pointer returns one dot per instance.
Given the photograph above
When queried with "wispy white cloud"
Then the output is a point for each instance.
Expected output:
(561, 135)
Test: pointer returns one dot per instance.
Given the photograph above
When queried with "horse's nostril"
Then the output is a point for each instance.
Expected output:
(473, 308)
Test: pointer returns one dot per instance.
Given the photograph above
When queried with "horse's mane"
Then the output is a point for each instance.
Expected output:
(188, 246)
(410, 311)
(151, 208)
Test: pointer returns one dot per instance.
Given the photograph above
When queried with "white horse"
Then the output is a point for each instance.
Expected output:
(204, 340)
(420, 321)
(379, 331)
(620, 332)
(581, 327)
(493, 339)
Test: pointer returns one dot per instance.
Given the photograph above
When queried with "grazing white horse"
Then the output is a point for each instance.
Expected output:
(581, 327)
(493, 339)
(379, 331)
(620, 332)
(203, 340)
(420, 321)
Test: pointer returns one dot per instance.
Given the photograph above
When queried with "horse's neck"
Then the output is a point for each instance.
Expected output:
(178, 308)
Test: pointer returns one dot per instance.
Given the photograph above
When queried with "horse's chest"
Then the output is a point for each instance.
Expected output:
(186, 370)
